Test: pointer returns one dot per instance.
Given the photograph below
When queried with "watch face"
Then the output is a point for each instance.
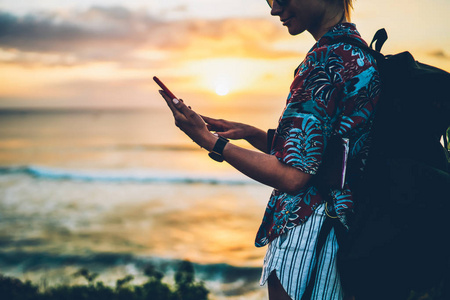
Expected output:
(215, 156)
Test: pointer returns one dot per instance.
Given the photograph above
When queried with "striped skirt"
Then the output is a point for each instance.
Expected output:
(292, 256)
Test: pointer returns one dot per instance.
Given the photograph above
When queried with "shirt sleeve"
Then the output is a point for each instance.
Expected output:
(321, 100)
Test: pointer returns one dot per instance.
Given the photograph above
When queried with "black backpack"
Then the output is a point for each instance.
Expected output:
(398, 238)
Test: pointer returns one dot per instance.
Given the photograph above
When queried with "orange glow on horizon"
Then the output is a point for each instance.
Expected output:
(222, 57)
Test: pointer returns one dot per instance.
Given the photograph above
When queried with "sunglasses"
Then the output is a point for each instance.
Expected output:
(280, 2)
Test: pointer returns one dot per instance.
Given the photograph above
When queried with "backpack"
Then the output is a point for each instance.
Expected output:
(397, 241)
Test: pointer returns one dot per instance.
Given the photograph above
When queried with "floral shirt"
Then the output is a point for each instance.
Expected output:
(334, 91)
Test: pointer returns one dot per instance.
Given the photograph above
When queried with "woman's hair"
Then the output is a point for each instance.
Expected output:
(348, 6)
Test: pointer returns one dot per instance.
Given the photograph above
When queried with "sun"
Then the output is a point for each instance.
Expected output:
(222, 88)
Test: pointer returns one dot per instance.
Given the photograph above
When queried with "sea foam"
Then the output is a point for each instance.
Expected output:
(129, 175)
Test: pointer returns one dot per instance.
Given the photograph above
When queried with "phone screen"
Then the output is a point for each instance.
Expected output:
(165, 89)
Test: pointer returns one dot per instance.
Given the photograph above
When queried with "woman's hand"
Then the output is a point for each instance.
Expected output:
(190, 122)
(234, 130)
(262, 167)
(228, 129)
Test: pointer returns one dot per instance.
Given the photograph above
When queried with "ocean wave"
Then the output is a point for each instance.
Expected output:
(29, 261)
(112, 147)
(129, 175)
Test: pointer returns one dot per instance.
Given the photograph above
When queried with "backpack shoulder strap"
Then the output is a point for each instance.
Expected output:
(378, 41)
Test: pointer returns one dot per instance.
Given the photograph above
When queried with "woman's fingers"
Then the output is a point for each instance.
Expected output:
(177, 105)
(209, 123)
(227, 129)
(184, 116)
(170, 103)
(183, 108)
(208, 119)
(214, 124)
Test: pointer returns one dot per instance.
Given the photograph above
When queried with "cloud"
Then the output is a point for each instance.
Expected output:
(116, 34)
(235, 37)
(96, 34)
(439, 54)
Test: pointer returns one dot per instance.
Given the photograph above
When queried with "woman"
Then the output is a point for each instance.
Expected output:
(333, 93)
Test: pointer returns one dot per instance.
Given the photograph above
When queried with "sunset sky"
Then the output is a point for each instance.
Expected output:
(104, 53)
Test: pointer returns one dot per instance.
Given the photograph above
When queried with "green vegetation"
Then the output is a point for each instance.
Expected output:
(439, 292)
(186, 287)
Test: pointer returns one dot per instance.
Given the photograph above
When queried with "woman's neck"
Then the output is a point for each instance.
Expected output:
(334, 17)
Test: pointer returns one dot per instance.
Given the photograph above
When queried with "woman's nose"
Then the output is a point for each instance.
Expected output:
(276, 9)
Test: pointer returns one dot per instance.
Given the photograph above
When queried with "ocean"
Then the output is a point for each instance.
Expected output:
(115, 190)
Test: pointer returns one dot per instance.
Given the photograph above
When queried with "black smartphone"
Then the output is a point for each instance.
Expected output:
(164, 88)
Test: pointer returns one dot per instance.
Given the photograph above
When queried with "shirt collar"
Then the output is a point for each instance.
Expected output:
(338, 31)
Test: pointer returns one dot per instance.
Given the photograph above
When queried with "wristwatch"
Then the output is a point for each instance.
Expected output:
(216, 152)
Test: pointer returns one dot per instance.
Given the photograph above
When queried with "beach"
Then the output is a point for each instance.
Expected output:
(113, 191)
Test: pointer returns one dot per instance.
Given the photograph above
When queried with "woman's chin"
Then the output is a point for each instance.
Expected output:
(295, 30)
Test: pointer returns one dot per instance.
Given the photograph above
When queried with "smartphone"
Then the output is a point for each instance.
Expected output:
(165, 89)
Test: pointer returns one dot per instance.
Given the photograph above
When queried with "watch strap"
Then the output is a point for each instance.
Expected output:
(217, 150)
